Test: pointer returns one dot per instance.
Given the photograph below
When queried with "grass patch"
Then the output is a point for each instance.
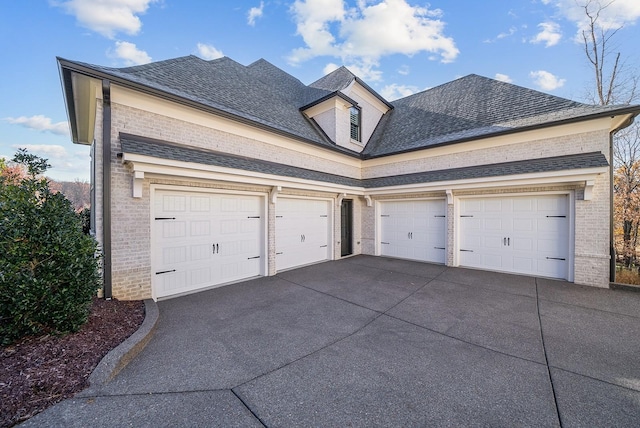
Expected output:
(627, 276)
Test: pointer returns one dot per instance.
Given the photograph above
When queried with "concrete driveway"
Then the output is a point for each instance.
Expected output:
(369, 341)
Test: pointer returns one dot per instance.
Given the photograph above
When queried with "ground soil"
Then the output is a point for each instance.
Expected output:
(37, 372)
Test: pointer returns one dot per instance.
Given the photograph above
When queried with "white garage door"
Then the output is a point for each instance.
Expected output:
(413, 230)
(202, 240)
(528, 235)
(302, 232)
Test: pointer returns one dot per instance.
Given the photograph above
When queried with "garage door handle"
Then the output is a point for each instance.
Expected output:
(556, 258)
(216, 249)
(504, 241)
(508, 242)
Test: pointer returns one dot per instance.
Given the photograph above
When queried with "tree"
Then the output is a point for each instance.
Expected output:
(614, 83)
(49, 271)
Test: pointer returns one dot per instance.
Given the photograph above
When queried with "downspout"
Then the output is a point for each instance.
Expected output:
(612, 247)
(106, 187)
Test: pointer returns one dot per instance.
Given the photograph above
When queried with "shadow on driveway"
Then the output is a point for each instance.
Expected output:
(371, 341)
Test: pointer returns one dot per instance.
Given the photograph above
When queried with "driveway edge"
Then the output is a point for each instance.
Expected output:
(121, 355)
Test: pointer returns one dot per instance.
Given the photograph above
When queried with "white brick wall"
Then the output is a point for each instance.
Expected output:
(131, 224)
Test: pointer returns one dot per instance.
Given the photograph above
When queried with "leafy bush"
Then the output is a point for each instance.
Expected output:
(49, 270)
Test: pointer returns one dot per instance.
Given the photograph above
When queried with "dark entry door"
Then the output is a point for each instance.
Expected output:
(346, 239)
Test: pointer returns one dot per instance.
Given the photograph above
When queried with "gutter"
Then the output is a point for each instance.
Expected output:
(635, 109)
(87, 71)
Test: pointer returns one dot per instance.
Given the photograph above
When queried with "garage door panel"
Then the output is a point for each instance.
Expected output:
(200, 241)
(302, 232)
(413, 230)
(519, 238)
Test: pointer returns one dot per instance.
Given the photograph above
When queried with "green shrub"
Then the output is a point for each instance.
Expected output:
(49, 270)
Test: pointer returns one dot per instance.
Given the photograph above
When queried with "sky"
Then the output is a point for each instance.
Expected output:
(398, 47)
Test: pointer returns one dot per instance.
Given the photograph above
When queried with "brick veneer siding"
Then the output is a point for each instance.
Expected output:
(131, 227)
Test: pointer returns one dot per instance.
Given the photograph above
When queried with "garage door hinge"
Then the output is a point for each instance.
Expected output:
(466, 216)
(277, 254)
(470, 251)
(165, 271)
(439, 216)
(323, 246)
(556, 258)
(165, 218)
(439, 248)
(255, 216)
(255, 257)
(278, 216)
(324, 215)
(556, 216)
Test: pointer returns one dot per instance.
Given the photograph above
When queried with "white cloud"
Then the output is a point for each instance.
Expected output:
(107, 17)
(361, 35)
(503, 78)
(64, 165)
(366, 70)
(47, 150)
(254, 13)
(331, 67)
(40, 123)
(404, 70)
(615, 15)
(395, 91)
(503, 35)
(209, 52)
(549, 34)
(546, 81)
(130, 54)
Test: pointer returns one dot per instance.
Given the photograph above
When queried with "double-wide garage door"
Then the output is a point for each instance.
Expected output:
(528, 234)
(413, 230)
(201, 240)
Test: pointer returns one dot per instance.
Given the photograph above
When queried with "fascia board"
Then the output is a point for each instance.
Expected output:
(576, 176)
(151, 165)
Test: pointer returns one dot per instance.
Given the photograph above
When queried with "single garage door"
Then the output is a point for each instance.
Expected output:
(201, 240)
(413, 230)
(528, 235)
(302, 232)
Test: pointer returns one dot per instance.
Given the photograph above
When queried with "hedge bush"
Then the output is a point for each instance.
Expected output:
(49, 269)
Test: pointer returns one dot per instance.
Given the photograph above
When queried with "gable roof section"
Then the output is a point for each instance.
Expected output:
(469, 108)
(340, 78)
(136, 145)
(263, 95)
(259, 93)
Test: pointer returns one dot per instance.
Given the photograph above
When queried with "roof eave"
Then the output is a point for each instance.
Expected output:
(91, 72)
(628, 110)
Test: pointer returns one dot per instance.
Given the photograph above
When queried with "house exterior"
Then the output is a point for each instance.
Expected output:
(205, 173)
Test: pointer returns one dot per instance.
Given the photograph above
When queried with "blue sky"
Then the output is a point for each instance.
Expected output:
(397, 46)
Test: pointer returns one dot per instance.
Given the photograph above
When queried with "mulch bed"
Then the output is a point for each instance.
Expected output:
(37, 372)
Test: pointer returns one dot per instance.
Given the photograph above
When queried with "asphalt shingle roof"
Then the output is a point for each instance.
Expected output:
(472, 106)
(261, 93)
(144, 146)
